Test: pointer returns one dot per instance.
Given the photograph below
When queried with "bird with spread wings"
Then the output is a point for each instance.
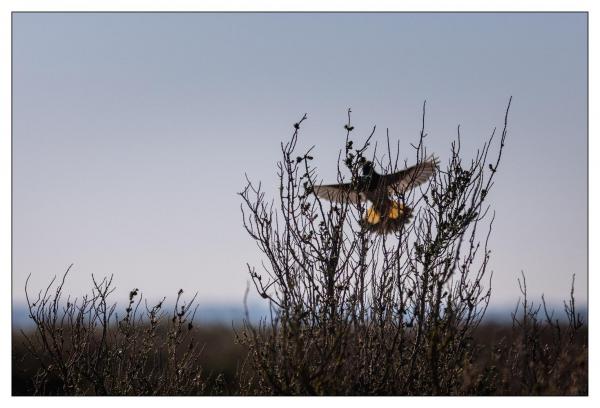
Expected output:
(385, 214)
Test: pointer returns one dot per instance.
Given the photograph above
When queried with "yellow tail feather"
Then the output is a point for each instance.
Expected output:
(396, 211)
(373, 216)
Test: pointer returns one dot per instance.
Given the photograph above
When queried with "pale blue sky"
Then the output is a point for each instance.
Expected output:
(132, 133)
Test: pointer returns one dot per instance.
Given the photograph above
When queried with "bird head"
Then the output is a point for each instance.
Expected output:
(368, 169)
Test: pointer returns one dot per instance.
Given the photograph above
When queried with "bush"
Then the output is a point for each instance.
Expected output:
(541, 355)
(356, 312)
(82, 347)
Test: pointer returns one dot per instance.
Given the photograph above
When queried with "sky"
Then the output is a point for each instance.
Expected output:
(132, 134)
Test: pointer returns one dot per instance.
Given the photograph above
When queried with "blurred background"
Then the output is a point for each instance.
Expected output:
(132, 133)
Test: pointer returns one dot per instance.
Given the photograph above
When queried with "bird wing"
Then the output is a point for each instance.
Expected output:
(411, 177)
(340, 193)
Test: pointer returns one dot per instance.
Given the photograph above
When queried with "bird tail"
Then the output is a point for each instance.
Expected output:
(397, 215)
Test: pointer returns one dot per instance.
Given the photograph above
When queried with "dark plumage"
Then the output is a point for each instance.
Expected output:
(385, 215)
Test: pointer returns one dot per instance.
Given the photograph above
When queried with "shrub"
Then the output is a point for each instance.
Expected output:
(83, 348)
(356, 312)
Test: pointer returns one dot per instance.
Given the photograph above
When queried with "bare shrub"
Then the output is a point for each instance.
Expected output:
(541, 354)
(356, 312)
(84, 348)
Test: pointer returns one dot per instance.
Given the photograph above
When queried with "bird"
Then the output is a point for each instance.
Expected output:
(386, 214)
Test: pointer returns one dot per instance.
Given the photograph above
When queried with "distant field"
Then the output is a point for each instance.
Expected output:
(226, 315)
(207, 314)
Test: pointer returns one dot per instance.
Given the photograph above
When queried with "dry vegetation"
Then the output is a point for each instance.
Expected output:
(352, 312)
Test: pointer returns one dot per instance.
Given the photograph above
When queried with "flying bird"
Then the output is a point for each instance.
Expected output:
(385, 214)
